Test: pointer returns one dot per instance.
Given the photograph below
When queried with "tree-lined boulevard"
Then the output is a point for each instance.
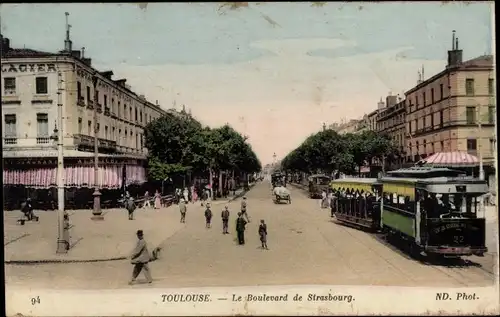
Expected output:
(305, 248)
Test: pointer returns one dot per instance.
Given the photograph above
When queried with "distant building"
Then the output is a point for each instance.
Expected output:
(444, 112)
(391, 121)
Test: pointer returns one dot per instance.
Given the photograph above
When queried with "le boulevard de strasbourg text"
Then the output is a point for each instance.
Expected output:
(310, 297)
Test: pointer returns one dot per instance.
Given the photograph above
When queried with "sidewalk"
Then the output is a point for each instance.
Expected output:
(92, 241)
(239, 193)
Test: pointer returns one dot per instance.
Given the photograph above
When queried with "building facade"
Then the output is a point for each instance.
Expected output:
(391, 121)
(454, 110)
(33, 84)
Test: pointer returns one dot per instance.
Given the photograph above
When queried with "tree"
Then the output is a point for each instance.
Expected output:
(178, 144)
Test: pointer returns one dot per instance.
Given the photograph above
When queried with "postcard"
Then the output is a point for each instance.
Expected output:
(249, 158)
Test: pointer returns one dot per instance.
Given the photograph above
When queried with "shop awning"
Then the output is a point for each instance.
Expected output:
(450, 159)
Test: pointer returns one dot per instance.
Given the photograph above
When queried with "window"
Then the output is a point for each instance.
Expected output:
(441, 118)
(78, 90)
(113, 134)
(119, 135)
(80, 125)
(425, 146)
(124, 111)
(441, 91)
(442, 146)
(417, 145)
(106, 132)
(424, 99)
(41, 85)
(469, 87)
(105, 100)
(135, 114)
(10, 126)
(9, 85)
(42, 122)
(125, 136)
(140, 116)
(491, 86)
(491, 114)
(432, 121)
(119, 109)
(471, 144)
(492, 146)
(97, 127)
(89, 127)
(88, 94)
(470, 114)
(141, 138)
(130, 113)
(113, 105)
(432, 148)
(432, 95)
(97, 96)
(416, 102)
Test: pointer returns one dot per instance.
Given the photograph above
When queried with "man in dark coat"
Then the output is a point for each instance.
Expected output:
(140, 259)
(240, 229)
(263, 234)
(130, 205)
(208, 216)
(225, 220)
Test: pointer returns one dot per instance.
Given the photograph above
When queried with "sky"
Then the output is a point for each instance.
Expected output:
(274, 71)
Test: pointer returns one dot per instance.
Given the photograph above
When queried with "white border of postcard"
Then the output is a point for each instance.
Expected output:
(265, 300)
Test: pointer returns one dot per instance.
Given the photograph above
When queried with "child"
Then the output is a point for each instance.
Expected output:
(263, 234)
(208, 216)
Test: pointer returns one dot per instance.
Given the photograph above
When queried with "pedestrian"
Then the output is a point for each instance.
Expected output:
(244, 208)
(66, 226)
(240, 228)
(130, 205)
(185, 193)
(208, 216)
(140, 259)
(183, 209)
(27, 210)
(263, 234)
(323, 199)
(225, 220)
(147, 202)
(157, 200)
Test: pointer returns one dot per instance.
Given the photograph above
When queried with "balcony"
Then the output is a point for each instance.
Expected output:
(99, 108)
(88, 141)
(81, 102)
(9, 141)
(107, 111)
(43, 140)
(90, 104)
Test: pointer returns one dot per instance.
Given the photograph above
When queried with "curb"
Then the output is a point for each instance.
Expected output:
(62, 261)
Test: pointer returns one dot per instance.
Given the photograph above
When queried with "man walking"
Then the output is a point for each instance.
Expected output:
(240, 228)
(244, 208)
(140, 258)
(130, 205)
(147, 202)
(183, 209)
(263, 234)
(225, 220)
(208, 216)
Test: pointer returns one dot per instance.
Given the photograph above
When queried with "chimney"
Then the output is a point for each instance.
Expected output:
(423, 76)
(455, 55)
(67, 42)
(157, 102)
(419, 80)
(391, 100)
(83, 52)
(381, 104)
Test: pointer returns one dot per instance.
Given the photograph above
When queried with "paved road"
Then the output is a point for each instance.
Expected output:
(305, 248)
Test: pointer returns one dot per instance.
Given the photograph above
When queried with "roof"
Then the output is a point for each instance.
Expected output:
(355, 180)
(480, 61)
(26, 52)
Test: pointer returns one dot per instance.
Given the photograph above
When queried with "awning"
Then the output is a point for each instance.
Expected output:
(450, 159)
(75, 176)
(135, 175)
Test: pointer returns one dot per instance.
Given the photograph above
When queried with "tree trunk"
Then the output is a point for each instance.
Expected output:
(211, 182)
(220, 182)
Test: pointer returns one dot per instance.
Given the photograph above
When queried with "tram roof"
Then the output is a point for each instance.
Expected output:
(425, 172)
(319, 175)
(432, 180)
(356, 180)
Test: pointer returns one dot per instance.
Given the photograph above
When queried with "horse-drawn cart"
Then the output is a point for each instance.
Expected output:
(281, 194)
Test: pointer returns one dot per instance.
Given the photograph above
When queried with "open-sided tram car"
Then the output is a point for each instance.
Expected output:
(432, 210)
(317, 184)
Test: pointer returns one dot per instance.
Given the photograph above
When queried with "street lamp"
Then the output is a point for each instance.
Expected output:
(96, 212)
(59, 137)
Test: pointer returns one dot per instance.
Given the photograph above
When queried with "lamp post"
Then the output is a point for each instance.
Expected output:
(58, 135)
(96, 212)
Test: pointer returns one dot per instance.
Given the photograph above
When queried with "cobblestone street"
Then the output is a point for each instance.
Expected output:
(305, 248)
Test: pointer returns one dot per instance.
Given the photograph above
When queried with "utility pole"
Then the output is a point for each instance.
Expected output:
(480, 156)
(61, 243)
(96, 212)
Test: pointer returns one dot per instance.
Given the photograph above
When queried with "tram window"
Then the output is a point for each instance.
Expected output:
(401, 201)
(387, 199)
(395, 199)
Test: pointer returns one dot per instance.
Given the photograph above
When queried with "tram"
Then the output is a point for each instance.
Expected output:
(317, 184)
(432, 210)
